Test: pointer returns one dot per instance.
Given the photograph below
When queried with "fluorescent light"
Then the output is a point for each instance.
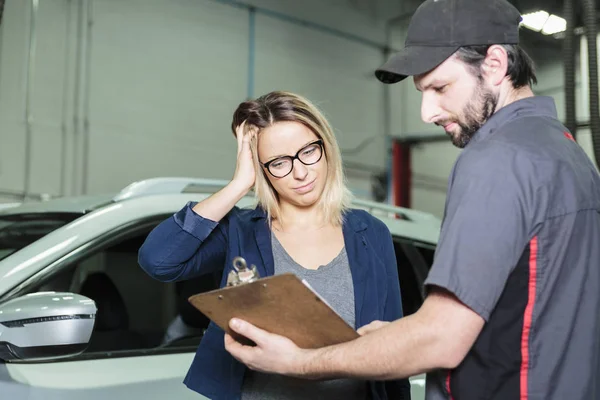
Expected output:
(535, 20)
(541, 21)
(554, 24)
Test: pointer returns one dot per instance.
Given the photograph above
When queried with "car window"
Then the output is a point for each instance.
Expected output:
(139, 314)
(414, 261)
(427, 251)
(135, 311)
(20, 230)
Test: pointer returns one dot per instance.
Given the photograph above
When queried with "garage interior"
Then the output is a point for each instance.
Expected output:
(97, 94)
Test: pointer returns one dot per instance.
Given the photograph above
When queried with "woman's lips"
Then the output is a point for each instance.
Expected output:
(305, 188)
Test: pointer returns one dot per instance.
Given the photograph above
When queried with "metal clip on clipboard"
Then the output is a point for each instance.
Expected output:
(241, 274)
(281, 304)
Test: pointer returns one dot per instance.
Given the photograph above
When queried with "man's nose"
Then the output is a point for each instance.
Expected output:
(430, 109)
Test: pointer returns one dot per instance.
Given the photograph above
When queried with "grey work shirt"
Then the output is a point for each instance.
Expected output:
(519, 245)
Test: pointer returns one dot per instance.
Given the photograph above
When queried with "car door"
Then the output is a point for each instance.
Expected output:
(414, 260)
(141, 346)
(146, 332)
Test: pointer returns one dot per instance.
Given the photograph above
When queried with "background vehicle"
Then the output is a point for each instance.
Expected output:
(145, 333)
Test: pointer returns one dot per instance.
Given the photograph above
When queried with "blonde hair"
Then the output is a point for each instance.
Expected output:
(282, 106)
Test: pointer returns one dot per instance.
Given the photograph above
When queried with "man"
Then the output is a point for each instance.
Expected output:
(513, 294)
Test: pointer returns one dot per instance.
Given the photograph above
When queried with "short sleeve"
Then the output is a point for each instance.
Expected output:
(487, 226)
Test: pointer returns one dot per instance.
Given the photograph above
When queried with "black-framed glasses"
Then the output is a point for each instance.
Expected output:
(308, 155)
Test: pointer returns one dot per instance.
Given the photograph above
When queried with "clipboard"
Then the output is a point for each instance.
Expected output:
(281, 304)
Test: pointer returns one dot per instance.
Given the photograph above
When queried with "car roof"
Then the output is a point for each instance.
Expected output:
(179, 185)
(75, 205)
(148, 187)
(422, 226)
(154, 198)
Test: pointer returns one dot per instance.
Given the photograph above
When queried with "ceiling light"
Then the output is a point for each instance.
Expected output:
(541, 21)
(535, 20)
(554, 24)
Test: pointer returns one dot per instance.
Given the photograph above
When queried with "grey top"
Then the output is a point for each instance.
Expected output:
(519, 246)
(334, 283)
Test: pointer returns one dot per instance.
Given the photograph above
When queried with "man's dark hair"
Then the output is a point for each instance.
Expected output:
(521, 69)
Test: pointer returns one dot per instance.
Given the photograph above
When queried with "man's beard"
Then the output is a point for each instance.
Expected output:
(476, 113)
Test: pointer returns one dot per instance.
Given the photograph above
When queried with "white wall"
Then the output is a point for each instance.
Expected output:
(149, 87)
(122, 90)
(430, 162)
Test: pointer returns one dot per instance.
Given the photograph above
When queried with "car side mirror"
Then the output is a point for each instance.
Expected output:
(45, 325)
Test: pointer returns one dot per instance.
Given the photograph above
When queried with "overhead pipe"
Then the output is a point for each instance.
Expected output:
(63, 124)
(29, 89)
(591, 32)
(569, 67)
(387, 119)
(76, 100)
(251, 51)
(86, 98)
(2, 3)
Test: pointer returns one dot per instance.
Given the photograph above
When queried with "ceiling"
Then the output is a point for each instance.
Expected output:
(386, 9)
(542, 42)
(533, 41)
(552, 6)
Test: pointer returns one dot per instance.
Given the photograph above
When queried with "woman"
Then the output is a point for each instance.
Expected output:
(302, 224)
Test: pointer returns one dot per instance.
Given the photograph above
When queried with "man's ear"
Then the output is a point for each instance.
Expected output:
(495, 65)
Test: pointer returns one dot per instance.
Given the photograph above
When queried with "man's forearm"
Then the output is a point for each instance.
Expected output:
(404, 348)
(439, 335)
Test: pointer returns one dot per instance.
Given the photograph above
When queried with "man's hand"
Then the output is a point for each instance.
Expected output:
(372, 327)
(272, 353)
(438, 336)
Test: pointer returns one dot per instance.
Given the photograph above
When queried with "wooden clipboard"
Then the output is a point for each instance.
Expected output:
(281, 304)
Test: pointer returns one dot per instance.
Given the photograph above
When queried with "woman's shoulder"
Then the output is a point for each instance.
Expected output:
(360, 216)
(247, 215)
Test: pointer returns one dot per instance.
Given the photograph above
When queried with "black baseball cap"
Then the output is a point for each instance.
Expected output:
(440, 27)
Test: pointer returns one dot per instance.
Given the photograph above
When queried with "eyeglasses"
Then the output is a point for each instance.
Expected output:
(308, 155)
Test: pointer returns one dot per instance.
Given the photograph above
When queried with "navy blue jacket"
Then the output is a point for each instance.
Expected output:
(186, 246)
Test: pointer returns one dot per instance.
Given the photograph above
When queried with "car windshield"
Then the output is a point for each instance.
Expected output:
(20, 230)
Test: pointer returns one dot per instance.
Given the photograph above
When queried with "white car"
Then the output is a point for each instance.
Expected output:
(69, 275)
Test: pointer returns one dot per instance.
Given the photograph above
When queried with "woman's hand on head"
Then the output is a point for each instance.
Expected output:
(245, 174)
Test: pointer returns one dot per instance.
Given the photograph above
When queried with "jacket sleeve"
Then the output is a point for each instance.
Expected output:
(184, 246)
(397, 389)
